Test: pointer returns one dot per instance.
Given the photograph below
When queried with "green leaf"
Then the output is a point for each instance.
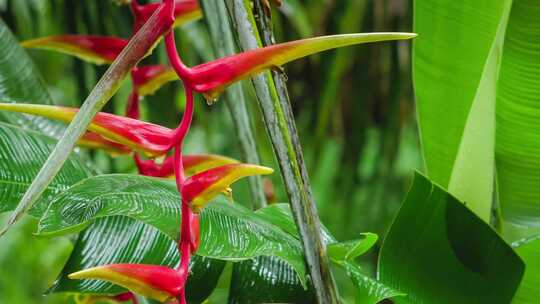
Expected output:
(120, 239)
(20, 82)
(455, 93)
(377, 290)
(435, 252)
(518, 118)
(529, 290)
(21, 154)
(349, 250)
(228, 230)
(368, 290)
(280, 215)
(267, 280)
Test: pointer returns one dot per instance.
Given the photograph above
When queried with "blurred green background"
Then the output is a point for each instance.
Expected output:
(354, 109)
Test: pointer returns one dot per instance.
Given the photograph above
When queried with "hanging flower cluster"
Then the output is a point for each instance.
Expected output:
(199, 178)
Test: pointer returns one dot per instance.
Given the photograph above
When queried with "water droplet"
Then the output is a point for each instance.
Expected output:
(210, 100)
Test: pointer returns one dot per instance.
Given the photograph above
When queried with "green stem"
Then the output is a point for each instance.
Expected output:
(274, 103)
(107, 86)
(224, 45)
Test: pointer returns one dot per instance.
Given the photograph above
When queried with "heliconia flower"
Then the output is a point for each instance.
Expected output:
(213, 77)
(95, 141)
(151, 139)
(148, 79)
(193, 164)
(184, 11)
(91, 48)
(200, 188)
(126, 296)
(158, 282)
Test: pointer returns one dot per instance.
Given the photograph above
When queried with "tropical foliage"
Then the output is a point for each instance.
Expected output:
(116, 188)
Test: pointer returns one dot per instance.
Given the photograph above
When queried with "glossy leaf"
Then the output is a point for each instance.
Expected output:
(267, 280)
(213, 77)
(91, 48)
(157, 282)
(21, 154)
(228, 230)
(138, 135)
(435, 252)
(21, 82)
(529, 289)
(200, 188)
(517, 148)
(455, 93)
(368, 290)
(377, 290)
(121, 239)
(349, 250)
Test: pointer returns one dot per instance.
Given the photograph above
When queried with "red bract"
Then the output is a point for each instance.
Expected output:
(95, 141)
(126, 296)
(200, 188)
(148, 79)
(193, 164)
(96, 49)
(213, 77)
(154, 281)
(141, 136)
(184, 11)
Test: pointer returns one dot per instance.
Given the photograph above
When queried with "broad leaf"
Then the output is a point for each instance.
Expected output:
(20, 81)
(435, 252)
(455, 93)
(228, 230)
(479, 110)
(22, 152)
(348, 250)
(267, 280)
(123, 240)
(368, 290)
(377, 290)
(529, 290)
(517, 148)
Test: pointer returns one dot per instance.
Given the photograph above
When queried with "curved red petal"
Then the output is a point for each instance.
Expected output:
(158, 282)
(184, 11)
(97, 49)
(200, 188)
(212, 77)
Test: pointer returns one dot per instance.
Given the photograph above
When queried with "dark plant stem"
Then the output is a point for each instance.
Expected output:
(223, 44)
(273, 99)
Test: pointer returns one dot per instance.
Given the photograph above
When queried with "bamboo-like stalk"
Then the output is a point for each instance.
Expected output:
(223, 44)
(274, 103)
(107, 86)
